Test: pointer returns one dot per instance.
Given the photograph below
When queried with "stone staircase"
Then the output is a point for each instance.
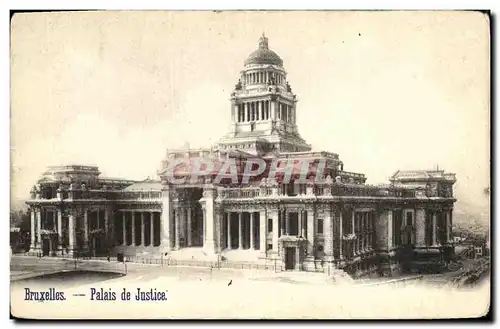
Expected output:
(192, 254)
(247, 256)
(340, 276)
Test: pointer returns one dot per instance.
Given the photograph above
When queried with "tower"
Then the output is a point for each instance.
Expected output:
(263, 107)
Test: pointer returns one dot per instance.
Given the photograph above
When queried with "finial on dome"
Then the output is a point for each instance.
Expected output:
(263, 42)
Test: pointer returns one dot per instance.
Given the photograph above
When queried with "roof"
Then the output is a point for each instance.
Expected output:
(144, 186)
(422, 175)
(264, 55)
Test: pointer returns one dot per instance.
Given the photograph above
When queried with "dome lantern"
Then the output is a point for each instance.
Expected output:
(264, 55)
(263, 42)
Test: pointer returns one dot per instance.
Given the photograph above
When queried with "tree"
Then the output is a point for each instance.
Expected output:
(20, 219)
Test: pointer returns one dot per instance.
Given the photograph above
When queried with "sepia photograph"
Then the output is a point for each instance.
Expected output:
(250, 165)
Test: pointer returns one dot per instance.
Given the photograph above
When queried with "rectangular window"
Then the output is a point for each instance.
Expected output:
(409, 218)
(399, 223)
(269, 225)
(279, 223)
(269, 246)
(294, 224)
(320, 226)
(304, 222)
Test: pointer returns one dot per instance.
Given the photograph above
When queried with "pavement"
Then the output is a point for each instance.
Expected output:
(226, 293)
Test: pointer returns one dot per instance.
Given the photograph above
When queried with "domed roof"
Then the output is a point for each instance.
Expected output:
(264, 55)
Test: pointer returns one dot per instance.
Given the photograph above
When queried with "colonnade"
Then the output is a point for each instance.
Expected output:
(254, 111)
(146, 218)
(261, 110)
(247, 233)
(364, 226)
(263, 77)
(52, 222)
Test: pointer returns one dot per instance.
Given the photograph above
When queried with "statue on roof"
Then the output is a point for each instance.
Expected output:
(263, 42)
(238, 86)
(33, 192)
(272, 80)
(288, 88)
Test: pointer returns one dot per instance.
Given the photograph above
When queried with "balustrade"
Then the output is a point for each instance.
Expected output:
(353, 190)
(79, 194)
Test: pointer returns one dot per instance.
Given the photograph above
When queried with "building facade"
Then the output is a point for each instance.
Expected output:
(328, 219)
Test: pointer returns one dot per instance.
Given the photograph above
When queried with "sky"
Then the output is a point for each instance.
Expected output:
(384, 90)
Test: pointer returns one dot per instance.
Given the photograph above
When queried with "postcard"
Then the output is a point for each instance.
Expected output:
(250, 165)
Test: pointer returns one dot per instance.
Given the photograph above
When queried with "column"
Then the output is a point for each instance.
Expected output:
(240, 227)
(341, 234)
(328, 233)
(257, 110)
(263, 232)
(420, 226)
(209, 243)
(252, 217)
(59, 229)
(229, 247)
(274, 216)
(85, 228)
(218, 229)
(32, 233)
(133, 227)
(142, 229)
(366, 226)
(451, 221)
(302, 223)
(248, 110)
(165, 219)
(204, 222)
(182, 226)
(151, 229)
(287, 219)
(310, 232)
(365, 231)
(106, 222)
(189, 231)
(283, 221)
(434, 231)
(448, 225)
(272, 104)
(359, 240)
(97, 218)
(124, 229)
(71, 232)
(389, 229)
(361, 225)
(354, 232)
(178, 228)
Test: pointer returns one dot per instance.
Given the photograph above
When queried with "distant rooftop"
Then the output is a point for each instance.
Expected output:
(422, 175)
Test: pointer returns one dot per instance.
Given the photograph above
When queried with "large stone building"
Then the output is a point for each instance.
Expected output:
(332, 219)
